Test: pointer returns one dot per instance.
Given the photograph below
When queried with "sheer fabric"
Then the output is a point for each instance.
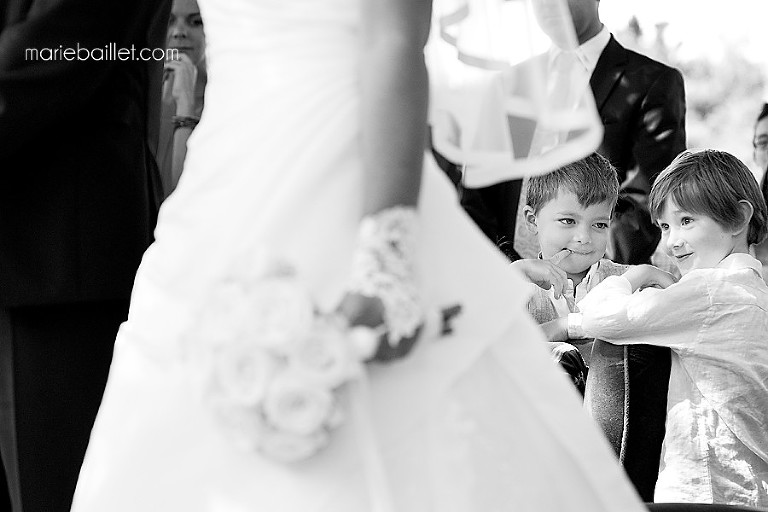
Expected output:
(500, 103)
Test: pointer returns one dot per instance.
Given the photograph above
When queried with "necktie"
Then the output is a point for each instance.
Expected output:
(563, 93)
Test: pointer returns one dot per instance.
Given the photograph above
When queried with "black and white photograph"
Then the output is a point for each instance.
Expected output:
(383, 256)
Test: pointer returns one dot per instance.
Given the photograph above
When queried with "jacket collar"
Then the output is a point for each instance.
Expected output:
(608, 71)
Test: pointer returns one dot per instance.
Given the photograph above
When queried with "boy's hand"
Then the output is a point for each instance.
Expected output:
(545, 274)
(556, 330)
(646, 276)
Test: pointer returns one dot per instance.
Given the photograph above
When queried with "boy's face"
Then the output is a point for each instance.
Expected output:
(694, 240)
(563, 223)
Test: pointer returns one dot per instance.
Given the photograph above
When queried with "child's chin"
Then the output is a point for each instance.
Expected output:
(577, 270)
(578, 264)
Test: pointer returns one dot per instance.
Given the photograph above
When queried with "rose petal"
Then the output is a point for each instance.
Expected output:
(297, 406)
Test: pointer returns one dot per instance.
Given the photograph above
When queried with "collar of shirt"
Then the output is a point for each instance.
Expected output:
(567, 301)
(588, 53)
(739, 260)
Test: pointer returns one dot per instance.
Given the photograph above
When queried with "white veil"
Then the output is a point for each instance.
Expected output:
(498, 105)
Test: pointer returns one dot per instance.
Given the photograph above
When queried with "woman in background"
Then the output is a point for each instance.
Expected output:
(183, 89)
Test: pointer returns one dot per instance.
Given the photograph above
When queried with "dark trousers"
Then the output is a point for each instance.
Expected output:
(54, 362)
(626, 394)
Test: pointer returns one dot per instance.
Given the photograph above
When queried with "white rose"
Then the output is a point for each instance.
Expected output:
(280, 311)
(324, 356)
(288, 447)
(242, 373)
(296, 405)
(336, 417)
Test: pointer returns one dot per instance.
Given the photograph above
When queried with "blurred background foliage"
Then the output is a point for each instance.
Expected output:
(724, 92)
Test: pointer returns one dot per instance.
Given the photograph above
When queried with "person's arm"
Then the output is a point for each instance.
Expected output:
(36, 95)
(660, 129)
(183, 81)
(180, 138)
(394, 98)
(545, 274)
(668, 317)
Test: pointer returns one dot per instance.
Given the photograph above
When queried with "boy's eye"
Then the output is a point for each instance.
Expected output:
(685, 221)
(664, 226)
(567, 221)
(601, 225)
(196, 20)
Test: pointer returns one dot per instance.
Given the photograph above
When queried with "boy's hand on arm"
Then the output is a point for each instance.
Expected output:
(545, 274)
(647, 276)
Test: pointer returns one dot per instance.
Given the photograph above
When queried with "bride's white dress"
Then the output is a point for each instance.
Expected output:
(478, 421)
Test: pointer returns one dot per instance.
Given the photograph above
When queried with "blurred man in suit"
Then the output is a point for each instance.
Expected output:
(641, 103)
(78, 203)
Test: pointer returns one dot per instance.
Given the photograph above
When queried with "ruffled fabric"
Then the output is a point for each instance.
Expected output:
(496, 107)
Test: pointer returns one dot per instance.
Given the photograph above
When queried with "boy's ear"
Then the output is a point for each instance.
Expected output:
(747, 210)
(530, 219)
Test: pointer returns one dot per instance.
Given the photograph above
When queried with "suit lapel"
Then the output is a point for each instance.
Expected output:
(608, 71)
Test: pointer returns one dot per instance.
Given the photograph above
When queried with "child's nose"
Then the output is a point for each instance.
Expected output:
(582, 235)
(674, 241)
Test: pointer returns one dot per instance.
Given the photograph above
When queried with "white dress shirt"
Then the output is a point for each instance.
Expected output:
(586, 54)
(576, 80)
(716, 323)
(589, 52)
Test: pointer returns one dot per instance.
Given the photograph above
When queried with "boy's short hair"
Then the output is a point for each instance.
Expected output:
(592, 179)
(711, 183)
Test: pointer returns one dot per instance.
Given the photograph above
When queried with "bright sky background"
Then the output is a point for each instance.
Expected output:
(698, 26)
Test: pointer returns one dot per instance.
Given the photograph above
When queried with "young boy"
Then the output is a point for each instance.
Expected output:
(710, 210)
(569, 210)
(626, 389)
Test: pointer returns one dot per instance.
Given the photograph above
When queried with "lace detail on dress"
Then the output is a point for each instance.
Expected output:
(383, 267)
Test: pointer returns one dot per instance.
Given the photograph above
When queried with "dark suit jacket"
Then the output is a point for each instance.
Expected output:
(641, 103)
(78, 180)
(642, 106)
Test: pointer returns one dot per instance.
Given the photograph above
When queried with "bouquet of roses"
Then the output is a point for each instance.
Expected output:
(274, 366)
